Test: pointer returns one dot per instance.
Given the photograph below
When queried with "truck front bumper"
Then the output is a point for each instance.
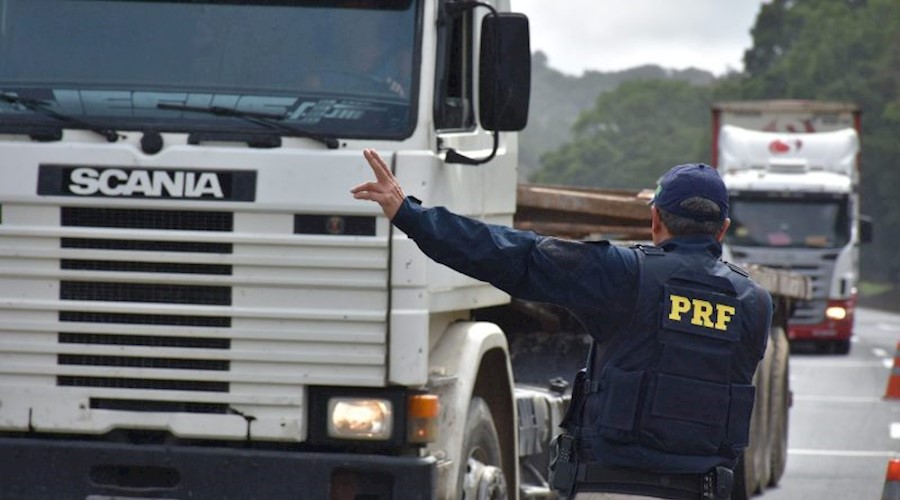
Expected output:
(834, 326)
(827, 330)
(86, 470)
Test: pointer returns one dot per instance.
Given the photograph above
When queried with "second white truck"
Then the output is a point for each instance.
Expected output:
(792, 169)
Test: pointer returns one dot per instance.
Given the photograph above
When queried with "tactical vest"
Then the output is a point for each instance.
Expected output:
(668, 390)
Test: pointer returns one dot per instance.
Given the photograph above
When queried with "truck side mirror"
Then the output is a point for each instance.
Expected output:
(504, 76)
(504, 72)
(865, 229)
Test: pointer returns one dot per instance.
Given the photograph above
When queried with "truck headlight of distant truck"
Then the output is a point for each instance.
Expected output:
(360, 418)
(836, 313)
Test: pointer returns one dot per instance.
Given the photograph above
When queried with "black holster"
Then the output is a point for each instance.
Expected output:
(563, 464)
(572, 419)
(717, 484)
(564, 447)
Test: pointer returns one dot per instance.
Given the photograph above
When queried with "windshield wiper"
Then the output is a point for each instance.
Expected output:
(43, 107)
(271, 120)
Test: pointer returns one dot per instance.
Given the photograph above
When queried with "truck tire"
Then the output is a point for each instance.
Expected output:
(841, 347)
(741, 490)
(481, 472)
(751, 473)
(761, 452)
(746, 477)
(780, 401)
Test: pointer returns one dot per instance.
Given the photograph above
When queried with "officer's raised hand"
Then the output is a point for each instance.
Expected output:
(384, 190)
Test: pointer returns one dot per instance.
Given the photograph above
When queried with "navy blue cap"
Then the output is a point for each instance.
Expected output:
(687, 181)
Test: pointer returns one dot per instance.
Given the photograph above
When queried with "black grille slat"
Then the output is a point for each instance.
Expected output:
(158, 406)
(144, 340)
(146, 293)
(130, 218)
(145, 267)
(144, 319)
(148, 245)
(142, 362)
(136, 383)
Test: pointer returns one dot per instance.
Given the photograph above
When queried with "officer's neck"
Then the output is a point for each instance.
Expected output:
(658, 231)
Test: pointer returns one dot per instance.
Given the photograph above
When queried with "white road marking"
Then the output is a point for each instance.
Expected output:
(895, 430)
(887, 326)
(835, 364)
(879, 352)
(844, 453)
(838, 399)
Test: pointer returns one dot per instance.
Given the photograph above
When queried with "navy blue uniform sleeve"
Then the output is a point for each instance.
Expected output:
(524, 264)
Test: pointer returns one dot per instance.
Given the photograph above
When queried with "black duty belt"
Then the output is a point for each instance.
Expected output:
(596, 477)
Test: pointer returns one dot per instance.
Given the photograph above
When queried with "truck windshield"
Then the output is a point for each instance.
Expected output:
(339, 68)
(796, 223)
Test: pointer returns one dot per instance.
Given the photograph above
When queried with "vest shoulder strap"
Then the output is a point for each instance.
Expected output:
(649, 249)
(738, 269)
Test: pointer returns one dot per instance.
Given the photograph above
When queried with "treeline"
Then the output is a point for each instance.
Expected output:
(642, 121)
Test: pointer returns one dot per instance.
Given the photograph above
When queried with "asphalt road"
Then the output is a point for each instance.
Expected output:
(843, 430)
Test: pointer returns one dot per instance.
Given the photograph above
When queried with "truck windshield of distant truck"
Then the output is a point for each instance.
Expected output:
(342, 68)
(817, 222)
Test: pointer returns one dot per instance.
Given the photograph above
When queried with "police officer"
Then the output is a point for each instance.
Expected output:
(663, 408)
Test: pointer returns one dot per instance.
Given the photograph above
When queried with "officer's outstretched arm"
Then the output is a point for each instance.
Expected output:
(513, 260)
(384, 190)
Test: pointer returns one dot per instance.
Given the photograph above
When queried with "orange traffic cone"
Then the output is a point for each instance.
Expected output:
(893, 387)
(891, 489)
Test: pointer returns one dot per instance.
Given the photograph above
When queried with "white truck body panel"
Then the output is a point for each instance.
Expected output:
(759, 161)
(789, 116)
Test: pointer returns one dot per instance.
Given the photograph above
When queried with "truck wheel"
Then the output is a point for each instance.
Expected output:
(824, 347)
(745, 473)
(761, 451)
(841, 346)
(481, 473)
(751, 474)
(780, 406)
(741, 490)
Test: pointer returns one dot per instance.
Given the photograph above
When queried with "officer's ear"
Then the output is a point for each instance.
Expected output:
(721, 234)
(658, 231)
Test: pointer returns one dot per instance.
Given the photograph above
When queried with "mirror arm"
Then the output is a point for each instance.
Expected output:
(453, 8)
(455, 157)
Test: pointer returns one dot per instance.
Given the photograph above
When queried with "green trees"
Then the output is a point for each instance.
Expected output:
(844, 50)
(632, 135)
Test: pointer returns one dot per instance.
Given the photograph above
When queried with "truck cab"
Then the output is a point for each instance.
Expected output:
(192, 303)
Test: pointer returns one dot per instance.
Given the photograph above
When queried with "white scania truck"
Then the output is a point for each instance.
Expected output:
(792, 171)
(192, 305)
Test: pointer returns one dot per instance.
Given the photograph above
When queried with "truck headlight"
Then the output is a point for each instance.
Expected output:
(360, 418)
(836, 313)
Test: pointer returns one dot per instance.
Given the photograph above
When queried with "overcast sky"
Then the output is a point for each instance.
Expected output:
(608, 35)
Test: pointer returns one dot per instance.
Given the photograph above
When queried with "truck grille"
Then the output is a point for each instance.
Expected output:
(818, 268)
(153, 293)
(185, 319)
